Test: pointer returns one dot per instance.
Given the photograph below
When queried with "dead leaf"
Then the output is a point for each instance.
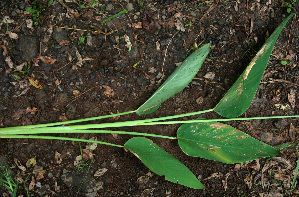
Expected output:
(32, 110)
(79, 57)
(77, 160)
(58, 158)
(87, 154)
(21, 66)
(29, 23)
(76, 93)
(40, 175)
(179, 14)
(13, 35)
(46, 59)
(108, 91)
(92, 146)
(7, 19)
(292, 98)
(129, 44)
(152, 70)
(137, 25)
(20, 166)
(9, 62)
(18, 114)
(210, 76)
(64, 42)
(4, 49)
(180, 26)
(158, 46)
(248, 180)
(214, 175)
(32, 184)
(100, 172)
(31, 162)
(292, 132)
(35, 83)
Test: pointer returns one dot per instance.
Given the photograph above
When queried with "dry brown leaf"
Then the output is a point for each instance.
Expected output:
(108, 91)
(87, 154)
(292, 98)
(248, 180)
(20, 166)
(92, 146)
(292, 132)
(77, 160)
(46, 59)
(35, 83)
(40, 175)
(76, 93)
(100, 172)
(58, 158)
(13, 35)
(64, 42)
(137, 25)
(32, 184)
(4, 49)
(158, 46)
(214, 175)
(79, 57)
(179, 14)
(32, 110)
(9, 62)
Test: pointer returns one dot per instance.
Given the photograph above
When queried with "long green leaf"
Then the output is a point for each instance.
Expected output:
(239, 97)
(221, 142)
(177, 81)
(162, 163)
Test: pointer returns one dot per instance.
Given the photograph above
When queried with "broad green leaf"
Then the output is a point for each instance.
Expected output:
(177, 81)
(221, 142)
(239, 97)
(162, 163)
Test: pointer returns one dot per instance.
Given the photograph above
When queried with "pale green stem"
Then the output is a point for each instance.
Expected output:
(70, 121)
(136, 122)
(66, 129)
(58, 138)
(215, 120)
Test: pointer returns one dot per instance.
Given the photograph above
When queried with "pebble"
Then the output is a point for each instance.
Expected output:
(130, 6)
(109, 7)
(193, 13)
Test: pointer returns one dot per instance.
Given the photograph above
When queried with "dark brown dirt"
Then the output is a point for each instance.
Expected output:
(114, 77)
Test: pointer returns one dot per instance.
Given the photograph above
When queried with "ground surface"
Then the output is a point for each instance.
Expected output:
(118, 65)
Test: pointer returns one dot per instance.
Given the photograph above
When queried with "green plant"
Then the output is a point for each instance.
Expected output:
(83, 38)
(93, 3)
(114, 16)
(205, 138)
(37, 8)
(7, 181)
(289, 5)
(285, 63)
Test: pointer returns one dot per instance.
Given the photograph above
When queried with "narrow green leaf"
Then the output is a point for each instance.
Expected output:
(177, 81)
(221, 142)
(239, 97)
(162, 163)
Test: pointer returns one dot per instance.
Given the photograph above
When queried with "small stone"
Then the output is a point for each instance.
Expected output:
(109, 7)
(193, 13)
(130, 6)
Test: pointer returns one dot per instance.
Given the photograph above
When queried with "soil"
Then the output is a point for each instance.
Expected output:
(78, 66)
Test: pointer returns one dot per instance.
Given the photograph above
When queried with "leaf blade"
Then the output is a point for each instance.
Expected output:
(162, 163)
(177, 81)
(221, 142)
(239, 97)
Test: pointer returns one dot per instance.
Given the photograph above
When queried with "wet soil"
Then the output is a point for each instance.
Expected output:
(68, 64)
